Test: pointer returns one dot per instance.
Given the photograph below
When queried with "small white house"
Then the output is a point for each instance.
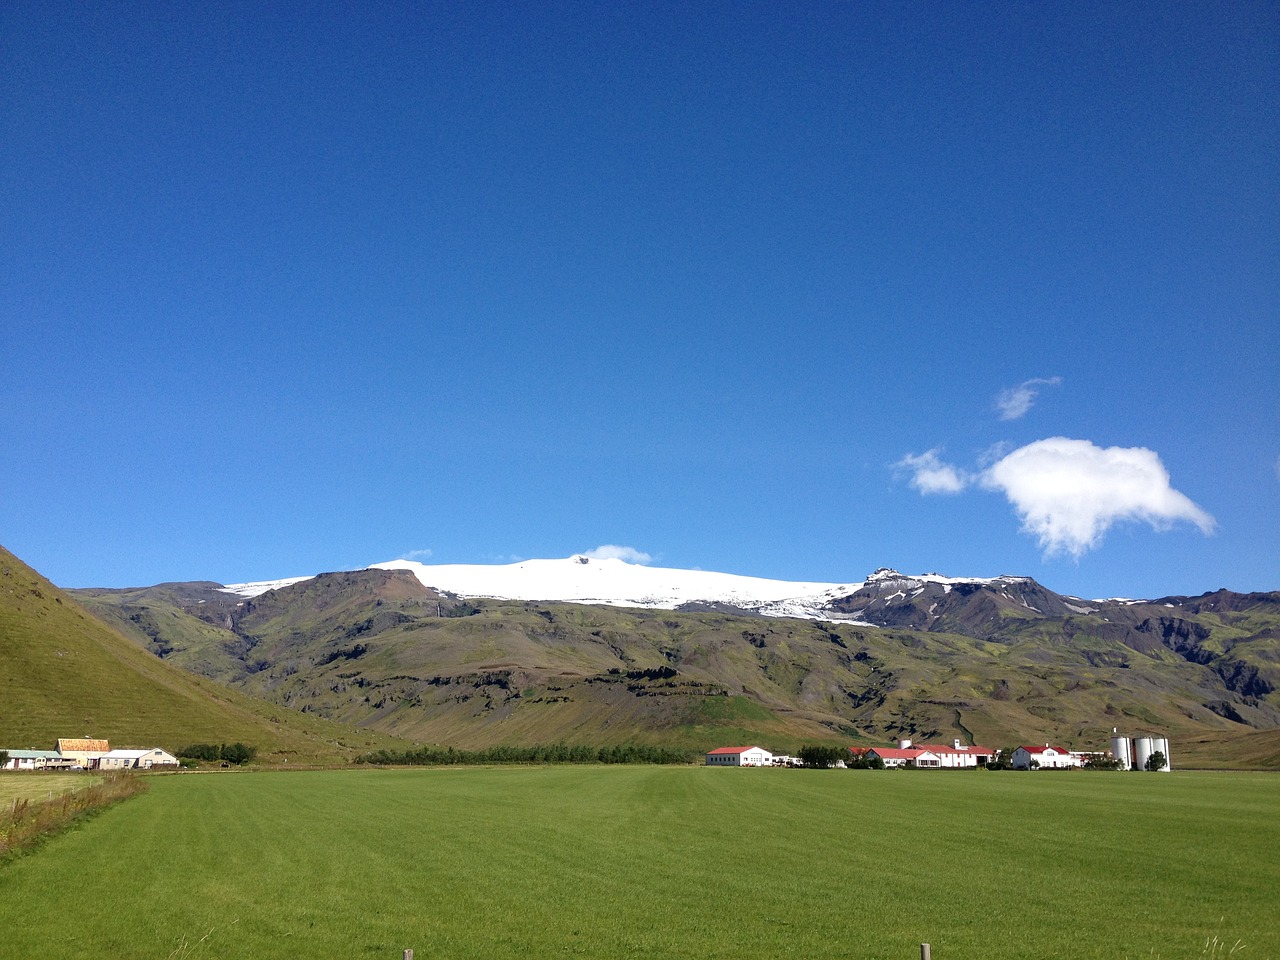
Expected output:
(739, 757)
(136, 759)
(28, 759)
(1047, 757)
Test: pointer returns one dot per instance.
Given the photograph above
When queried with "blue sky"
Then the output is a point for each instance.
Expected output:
(291, 288)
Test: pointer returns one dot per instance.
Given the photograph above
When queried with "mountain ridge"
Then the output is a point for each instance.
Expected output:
(999, 658)
(579, 578)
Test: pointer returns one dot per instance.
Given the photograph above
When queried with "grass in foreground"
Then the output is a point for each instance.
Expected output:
(660, 862)
(34, 808)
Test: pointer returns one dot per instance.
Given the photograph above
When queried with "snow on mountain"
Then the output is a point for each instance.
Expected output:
(261, 587)
(614, 582)
(886, 576)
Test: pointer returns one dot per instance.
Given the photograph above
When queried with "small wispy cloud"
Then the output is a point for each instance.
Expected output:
(415, 555)
(929, 474)
(1068, 493)
(611, 551)
(1014, 402)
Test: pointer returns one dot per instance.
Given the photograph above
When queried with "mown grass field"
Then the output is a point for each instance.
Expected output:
(25, 785)
(659, 862)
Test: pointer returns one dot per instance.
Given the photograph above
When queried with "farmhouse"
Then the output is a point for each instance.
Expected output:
(739, 757)
(136, 759)
(88, 754)
(905, 757)
(929, 755)
(1047, 757)
(82, 752)
(958, 755)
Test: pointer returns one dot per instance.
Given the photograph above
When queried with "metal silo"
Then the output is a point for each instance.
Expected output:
(1162, 744)
(1142, 750)
(1120, 750)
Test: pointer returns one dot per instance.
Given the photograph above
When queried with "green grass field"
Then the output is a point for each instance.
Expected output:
(40, 786)
(660, 862)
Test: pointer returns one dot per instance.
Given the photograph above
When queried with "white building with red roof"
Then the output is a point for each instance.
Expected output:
(907, 756)
(1047, 757)
(739, 757)
(956, 756)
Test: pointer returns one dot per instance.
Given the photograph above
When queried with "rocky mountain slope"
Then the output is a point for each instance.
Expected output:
(993, 660)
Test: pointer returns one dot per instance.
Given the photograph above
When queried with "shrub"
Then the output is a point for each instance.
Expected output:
(236, 753)
(1102, 762)
(867, 761)
(210, 752)
(556, 753)
(821, 758)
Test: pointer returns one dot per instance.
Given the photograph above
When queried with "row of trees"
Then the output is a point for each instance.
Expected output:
(236, 753)
(555, 753)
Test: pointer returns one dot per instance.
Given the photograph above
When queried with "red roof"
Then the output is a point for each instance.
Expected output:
(731, 750)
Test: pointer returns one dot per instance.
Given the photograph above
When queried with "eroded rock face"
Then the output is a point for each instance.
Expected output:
(977, 608)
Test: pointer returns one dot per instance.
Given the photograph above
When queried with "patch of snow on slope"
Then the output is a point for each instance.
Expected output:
(262, 586)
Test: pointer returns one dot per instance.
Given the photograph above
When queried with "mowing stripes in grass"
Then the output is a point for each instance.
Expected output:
(659, 862)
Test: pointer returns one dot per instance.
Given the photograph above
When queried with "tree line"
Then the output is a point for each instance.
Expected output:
(555, 753)
(236, 753)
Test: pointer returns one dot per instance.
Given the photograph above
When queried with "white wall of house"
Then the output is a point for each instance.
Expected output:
(1048, 758)
(749, 757)
(136, 759)
(26, 760)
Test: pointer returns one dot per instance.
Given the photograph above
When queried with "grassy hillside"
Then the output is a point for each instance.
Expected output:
(1229, 749)
(63, 673)
(375, 649)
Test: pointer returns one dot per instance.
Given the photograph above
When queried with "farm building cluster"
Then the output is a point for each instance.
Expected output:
(1126, 754)
(86, 754)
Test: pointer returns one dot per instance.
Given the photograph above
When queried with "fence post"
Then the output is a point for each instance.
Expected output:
(925, 952)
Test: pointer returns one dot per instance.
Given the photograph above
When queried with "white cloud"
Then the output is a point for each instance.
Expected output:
(415, 555)
(929, 474)
(610, 551)
(993, 453)
(1016, 401)
(1069, 493)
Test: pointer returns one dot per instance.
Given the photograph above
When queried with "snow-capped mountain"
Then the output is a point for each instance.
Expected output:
(611, 582)
(614, 582)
